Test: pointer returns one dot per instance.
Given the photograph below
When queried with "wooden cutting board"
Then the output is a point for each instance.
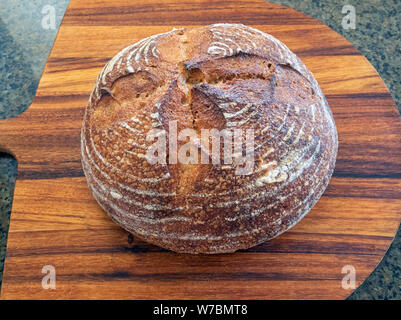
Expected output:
(56, 221)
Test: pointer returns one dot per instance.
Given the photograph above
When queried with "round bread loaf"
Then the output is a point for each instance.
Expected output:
(226, 77)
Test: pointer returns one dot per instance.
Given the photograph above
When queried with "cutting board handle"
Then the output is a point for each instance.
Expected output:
(12, 134)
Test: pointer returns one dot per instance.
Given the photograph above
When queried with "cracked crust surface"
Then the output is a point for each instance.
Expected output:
(223, 76)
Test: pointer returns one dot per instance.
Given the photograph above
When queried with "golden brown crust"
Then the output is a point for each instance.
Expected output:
(219, 76)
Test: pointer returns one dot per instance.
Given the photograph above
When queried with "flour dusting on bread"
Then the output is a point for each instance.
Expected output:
(222, 77)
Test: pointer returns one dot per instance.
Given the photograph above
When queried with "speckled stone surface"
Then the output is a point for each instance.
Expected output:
(25, 45)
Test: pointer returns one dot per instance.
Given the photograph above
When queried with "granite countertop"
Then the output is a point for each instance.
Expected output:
(25, 45)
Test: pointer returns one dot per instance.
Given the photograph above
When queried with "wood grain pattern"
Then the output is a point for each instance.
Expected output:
(56, 221)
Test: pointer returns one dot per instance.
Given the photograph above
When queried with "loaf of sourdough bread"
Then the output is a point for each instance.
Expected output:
(223, 77)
